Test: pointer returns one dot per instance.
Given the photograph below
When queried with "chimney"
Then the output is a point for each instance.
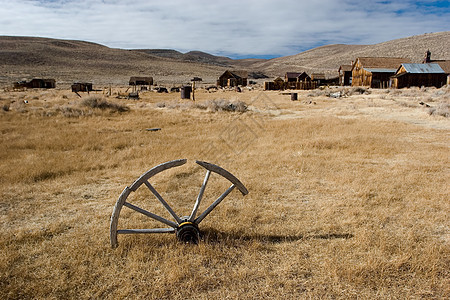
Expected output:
(427, 57)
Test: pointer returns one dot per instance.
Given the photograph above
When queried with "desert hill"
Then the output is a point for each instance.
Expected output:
(330, 57)
(68, 61)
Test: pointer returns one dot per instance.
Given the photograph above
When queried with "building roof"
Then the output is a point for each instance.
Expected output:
(345, 68)
(444, 64)
(239, 73)
(423, 68)
(317, 76)
(293, 74)
(380, 70)
(382, 62)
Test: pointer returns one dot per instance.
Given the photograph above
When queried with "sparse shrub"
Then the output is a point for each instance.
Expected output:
(442, 109)
(100, 103)
(71, 112)
(5, 107)
(223, 105)
(359, 90)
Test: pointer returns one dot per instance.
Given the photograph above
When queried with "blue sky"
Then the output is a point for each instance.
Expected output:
(234, 28)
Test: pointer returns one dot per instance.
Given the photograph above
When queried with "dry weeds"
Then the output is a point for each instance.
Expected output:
(347, 199)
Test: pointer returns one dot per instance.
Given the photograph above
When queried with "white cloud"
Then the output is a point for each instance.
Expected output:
(237, 28)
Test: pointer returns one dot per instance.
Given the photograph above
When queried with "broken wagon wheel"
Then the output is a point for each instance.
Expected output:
(186, 228)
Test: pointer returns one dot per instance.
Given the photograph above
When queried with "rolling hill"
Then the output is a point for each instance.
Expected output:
(68, 61)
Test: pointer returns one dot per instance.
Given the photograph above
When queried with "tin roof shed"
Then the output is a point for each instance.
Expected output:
(423, 68)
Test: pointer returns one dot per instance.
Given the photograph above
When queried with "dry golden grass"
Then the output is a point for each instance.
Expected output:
(348, 197)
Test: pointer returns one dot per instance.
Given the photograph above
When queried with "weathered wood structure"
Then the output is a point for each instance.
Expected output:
(296, 77)
(36, 83)
(140, 83)
(375, 72)
(233, 78)
(135, 80)
(345, 75)
(302, 82)
(427, 74)
(444, 64)
(82, 87)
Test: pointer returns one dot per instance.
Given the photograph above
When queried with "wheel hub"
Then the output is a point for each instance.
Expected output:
(188, 233)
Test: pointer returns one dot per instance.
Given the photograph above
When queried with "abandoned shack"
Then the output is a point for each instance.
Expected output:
(345, 75)
(36, 83)
(444, 64)
(232, 78)
(82, 87)
(299, 81)
(296, 76)
(375, 72)
(427, 74)
(134, 80)
(277, 84)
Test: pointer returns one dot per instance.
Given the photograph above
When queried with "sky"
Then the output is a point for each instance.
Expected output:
(233, 28)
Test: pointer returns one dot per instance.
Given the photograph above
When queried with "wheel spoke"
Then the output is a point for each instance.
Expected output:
(139, 231)
(215, 203)
(166, 205)
(151, 215)
(200, 196)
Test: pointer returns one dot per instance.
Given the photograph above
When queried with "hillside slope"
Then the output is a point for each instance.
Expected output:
(330, 57)
(68, 61)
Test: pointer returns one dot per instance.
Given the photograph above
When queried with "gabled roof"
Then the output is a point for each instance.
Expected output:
(382, 62)
(239, 73)
(293, 74)
(345, 68)
(423, 68)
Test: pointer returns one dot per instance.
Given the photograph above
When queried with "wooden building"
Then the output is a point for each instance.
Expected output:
(427, 74)
(303, 82)
(232, 78)
(37, 83)
(445, 65)
(345, 75)
(135, 80)
(82, 87)
(296, 77)
(322, 79)
(375, 72)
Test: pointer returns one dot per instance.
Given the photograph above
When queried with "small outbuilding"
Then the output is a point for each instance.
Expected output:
(427, 74)
(345, 75)
(143, 82)
(82, 87)
(233, 78)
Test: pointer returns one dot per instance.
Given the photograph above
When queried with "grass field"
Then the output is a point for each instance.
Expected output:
(348, 197)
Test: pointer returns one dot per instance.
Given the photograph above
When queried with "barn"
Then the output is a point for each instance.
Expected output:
(375, 72)
(232, 78)
(345, 75)
(428, 74)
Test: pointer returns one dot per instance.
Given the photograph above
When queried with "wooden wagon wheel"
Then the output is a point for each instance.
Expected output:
(186, 228)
